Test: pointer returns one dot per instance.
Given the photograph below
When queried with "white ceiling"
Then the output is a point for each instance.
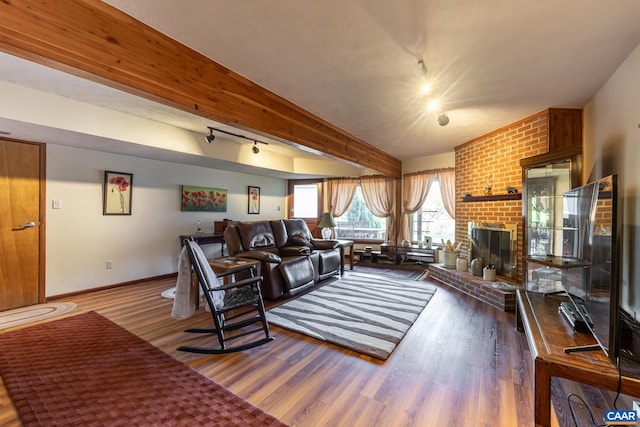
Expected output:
(355, 63)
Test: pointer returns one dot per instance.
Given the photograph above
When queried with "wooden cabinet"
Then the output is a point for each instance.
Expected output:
(565, 129)
(544, 179)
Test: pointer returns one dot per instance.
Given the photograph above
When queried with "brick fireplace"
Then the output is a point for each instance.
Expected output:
(497, 154)
(494, 157)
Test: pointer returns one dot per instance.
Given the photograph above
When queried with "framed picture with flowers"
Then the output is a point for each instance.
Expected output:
(207, 199)
(117, 191)
(254, 200)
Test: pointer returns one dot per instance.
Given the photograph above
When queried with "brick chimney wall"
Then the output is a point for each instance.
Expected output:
(497, 154)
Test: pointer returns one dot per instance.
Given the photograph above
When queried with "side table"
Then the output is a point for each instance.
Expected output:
(342, 244)
(226, 267)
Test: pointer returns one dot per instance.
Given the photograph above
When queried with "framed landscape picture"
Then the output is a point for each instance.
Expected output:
(207, 199)
(254, 200)
(117, 191)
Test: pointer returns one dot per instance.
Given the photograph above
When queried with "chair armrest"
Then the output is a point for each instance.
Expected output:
(260, 256)
(325, 244)
(238, 284)
(294, 250)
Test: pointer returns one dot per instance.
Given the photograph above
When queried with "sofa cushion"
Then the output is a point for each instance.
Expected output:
(256, 235)
(297, 226)
(280, 232)
(297, 272)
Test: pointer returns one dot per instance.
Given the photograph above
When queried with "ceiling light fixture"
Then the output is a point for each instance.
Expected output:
(434, 104)
(211, 137)
(443, 119)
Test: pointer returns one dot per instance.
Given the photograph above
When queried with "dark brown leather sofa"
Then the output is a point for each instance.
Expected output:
(291, 259)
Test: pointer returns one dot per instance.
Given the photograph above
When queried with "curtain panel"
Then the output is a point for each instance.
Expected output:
(377, 192)
(341, 191)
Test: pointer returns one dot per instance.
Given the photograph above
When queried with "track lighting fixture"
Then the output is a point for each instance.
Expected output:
(433, 103)
(211, 137)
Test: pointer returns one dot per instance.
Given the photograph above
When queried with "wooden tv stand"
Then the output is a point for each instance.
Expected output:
(548, 334)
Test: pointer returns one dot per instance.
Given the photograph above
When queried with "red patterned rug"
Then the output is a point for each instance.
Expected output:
(86, 370)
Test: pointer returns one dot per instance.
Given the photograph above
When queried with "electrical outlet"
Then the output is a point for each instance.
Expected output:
(109, 265)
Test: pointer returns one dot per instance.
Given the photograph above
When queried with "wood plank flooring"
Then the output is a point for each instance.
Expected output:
(461, 364)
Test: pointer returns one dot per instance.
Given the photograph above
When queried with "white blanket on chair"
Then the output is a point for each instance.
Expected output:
(183, 304)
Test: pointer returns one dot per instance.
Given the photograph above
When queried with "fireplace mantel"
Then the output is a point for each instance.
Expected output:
(492, 197)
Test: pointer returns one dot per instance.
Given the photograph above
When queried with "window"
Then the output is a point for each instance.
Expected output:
(359, 223)
(305, 201)
(432, 219)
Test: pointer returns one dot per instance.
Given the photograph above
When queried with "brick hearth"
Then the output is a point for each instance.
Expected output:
(474, 286)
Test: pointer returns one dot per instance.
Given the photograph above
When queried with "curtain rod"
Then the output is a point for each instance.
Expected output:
(430, 171)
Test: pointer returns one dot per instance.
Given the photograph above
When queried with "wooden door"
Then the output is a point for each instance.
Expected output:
(308, 201)
(21, 215)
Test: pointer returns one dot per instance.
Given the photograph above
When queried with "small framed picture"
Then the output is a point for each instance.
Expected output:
(254, 200)
(117, 193)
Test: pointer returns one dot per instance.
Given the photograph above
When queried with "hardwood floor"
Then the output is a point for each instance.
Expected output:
(461, 364)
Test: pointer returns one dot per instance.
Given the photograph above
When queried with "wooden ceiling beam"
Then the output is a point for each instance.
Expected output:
(95, 41)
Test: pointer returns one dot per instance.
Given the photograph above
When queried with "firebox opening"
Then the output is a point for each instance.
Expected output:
(495, 244)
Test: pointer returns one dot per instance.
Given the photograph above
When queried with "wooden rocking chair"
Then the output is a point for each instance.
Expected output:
(242, 297)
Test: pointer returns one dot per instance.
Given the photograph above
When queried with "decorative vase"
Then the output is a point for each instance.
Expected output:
(476, 267)
(489, 274)
(461, 264)
(450, 259)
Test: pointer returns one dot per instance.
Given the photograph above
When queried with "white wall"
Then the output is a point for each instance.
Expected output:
(446, 160)
(80, 239)
(612, 145)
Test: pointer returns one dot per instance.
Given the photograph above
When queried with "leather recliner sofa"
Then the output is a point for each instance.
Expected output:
(291, 259)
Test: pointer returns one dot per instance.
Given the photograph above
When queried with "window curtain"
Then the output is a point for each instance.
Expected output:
(341, 191)
(377, 192)
(415, 189)
(447, 179)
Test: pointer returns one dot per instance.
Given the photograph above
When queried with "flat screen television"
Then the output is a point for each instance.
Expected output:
(590, 236)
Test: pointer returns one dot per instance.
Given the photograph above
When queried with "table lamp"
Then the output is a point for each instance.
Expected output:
(326, 223)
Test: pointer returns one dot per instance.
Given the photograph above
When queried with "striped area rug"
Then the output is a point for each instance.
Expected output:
(365, 313)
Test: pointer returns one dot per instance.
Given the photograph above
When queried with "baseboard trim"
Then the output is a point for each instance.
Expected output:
(116, 285)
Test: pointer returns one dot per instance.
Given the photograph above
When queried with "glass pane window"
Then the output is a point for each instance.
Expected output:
(359, 223)
(432, 219)
(305, 201)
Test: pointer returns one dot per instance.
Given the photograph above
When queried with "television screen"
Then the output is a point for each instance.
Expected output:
(590, 236)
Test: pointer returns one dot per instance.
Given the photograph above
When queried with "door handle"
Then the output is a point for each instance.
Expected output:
(24, 226)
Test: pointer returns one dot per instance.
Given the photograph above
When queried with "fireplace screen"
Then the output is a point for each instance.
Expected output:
(495, 244)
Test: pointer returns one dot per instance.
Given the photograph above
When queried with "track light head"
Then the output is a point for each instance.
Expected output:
(255, 148)
(443, 119)
(211, 137)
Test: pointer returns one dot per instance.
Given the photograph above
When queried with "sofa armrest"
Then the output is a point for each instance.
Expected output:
(321, 244)
(260, 256)
(294, 250)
